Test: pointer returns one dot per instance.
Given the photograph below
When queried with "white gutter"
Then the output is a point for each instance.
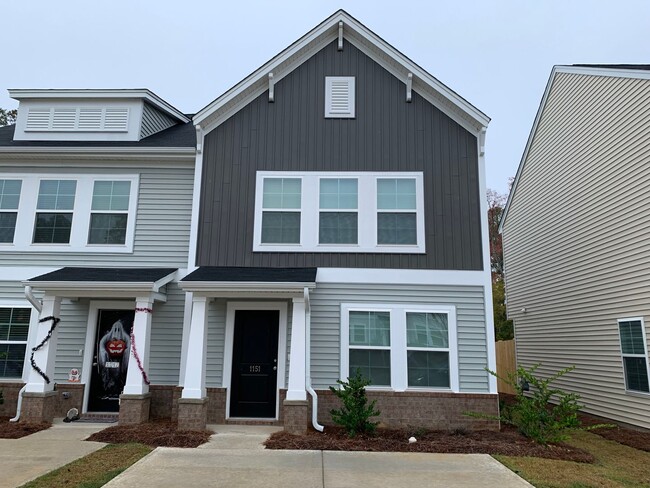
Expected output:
(310, 390)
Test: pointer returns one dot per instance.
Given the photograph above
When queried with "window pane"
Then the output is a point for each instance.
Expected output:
(370, 328)
(396, 193)
(338, 193)
(281, 227)
(56, 194)
(111, 195)
(52, 228)
(428, 368)
(427, 330)
(9, 194)
(636, 374)
(281, 193)
(11, 360)
(374, 365)
(338, 228)
(631, 337)
(396, 228)
(7, 226)
(107, 229)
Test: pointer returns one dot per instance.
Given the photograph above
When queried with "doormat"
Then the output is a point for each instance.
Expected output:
(92, 420)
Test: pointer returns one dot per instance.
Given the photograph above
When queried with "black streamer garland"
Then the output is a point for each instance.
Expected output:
(55, 321)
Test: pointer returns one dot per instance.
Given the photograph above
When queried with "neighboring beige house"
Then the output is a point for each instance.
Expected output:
(576, 237)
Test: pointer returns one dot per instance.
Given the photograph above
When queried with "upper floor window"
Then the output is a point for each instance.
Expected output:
(9, 200)
(635, 355)
(80, 213)
(339, 212)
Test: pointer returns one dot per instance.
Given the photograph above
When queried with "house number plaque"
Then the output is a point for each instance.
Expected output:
(255, 368)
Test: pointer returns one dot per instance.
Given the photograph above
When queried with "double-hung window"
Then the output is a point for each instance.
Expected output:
(400, 346)
(338, 218)
(14, 328)
(635, 355)
(109, 212)
(338, 212)
(9, 200)
(54, 211)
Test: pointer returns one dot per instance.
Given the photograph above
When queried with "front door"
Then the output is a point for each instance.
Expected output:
(254, 364)
(110, 359)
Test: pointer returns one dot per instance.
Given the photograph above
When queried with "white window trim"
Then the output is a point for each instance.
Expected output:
(229, 338)
(367, 213)
(644, 355)
(33, 322)
(398, 342)
(27, 209)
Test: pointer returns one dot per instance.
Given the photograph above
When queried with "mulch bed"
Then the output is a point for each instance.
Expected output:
(16, 430)
(507, 442)
(160, 433)
(623, 435)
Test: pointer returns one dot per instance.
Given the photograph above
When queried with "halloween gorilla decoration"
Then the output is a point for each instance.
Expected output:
(113, 357)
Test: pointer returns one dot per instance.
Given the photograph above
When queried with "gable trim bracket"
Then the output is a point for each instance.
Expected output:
(409, 87)
(340, 47)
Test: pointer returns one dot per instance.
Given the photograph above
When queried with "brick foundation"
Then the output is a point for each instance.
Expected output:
(296, 416)
(38, 407)
(216, 405)
(134, 409)
(192, 413)
(163, 401)
(10, 394)
(75, 398)
(443, 411)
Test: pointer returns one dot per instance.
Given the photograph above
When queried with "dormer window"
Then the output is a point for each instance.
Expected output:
(339, 97)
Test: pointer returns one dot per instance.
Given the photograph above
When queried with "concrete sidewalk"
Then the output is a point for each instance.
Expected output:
(24, 459)
(235, 457)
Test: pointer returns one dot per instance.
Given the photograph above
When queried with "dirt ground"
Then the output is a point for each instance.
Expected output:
(507, 442)
(159, 433)
(16, 430)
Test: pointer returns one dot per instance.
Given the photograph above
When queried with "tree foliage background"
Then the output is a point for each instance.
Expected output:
(7, 117)
(503, 328)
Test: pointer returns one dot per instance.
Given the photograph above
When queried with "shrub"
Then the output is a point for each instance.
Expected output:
(534, 415)
(354, 415)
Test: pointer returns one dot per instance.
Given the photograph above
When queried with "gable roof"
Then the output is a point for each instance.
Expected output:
(366, 41)
(641, 71)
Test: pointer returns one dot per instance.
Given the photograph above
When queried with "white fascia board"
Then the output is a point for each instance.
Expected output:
(531, 136)
(323, 33)
(245, 286)
(97, 94)
(611, 72)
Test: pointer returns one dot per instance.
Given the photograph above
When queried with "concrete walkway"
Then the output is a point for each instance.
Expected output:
(235, 457)
(22, 460)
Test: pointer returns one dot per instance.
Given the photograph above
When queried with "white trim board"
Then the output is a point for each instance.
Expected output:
(400, 276)
(231, 307)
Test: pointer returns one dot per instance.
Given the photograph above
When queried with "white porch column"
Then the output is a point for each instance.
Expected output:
(46, 355)
(135, 384)
(194, 381)
(297, 385)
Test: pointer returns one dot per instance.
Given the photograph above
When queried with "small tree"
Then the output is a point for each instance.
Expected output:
(7, 117)
(354, 416)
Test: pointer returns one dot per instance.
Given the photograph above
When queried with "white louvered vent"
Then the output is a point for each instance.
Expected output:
(339, 97)
(73, 119)
(38, 119)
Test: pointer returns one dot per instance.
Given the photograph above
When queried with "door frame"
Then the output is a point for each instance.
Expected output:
(231, 308)
(91, 331)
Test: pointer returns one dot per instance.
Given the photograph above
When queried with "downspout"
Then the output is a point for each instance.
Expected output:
(310, 390)
(35, 302)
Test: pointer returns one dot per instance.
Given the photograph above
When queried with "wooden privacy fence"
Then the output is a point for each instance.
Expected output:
(506, 363)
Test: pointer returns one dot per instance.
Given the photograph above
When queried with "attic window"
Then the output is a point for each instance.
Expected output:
(339, 97)
(78, 119)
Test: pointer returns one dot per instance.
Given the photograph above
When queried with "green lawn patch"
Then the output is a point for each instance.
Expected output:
(615, 465)
(93, 470)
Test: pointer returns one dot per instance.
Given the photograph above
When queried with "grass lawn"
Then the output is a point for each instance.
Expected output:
(94, 470)
(616, 465)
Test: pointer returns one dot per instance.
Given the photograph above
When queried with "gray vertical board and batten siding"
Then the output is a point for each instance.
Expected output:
(387, 134)
(576, 238)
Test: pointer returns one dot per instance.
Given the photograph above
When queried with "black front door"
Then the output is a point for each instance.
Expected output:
(110, 359)
(254, 364)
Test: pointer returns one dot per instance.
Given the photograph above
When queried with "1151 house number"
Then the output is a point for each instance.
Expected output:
(256, 368)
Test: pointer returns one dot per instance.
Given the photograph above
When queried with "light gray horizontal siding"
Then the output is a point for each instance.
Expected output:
(162, 221)
(72, 338)
(153, 120)
(575, 241)
(12, 290)
(326, 302)
(167, 337)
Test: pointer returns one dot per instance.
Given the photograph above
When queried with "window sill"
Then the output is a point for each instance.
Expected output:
(67, 248)
(639, 394)
(335, 248)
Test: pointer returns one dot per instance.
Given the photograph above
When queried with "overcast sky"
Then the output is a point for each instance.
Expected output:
(496, 54)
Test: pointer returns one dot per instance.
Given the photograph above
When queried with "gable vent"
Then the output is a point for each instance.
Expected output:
(82, 119)
(339, 96)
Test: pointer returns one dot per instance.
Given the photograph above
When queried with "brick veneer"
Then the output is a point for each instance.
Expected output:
(422, 409)
(38, 407)
(296, 416)
(10, 394)
(75, 394)
(162, 401)
(134, 409)
(192, 413)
